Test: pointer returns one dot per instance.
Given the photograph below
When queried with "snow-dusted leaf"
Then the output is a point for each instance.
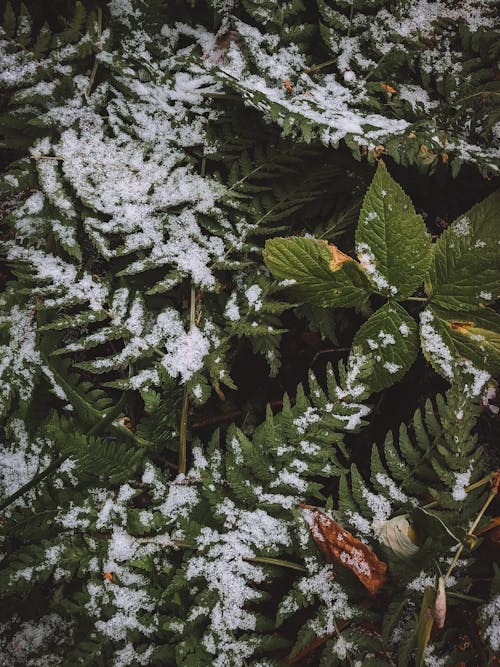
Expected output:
(391, 239)
(390, 337)
(319, 273)
(465, 268)
(454, 340)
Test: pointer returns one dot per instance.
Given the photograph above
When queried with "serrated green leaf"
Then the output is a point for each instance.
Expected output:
(391, 239)
(390, 337)
(318, 278)
(454, 340)
(465, 268)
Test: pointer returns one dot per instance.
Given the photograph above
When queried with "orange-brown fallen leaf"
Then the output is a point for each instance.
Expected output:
(339, 546)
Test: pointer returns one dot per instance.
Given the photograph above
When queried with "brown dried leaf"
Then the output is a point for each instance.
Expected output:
(339, 546)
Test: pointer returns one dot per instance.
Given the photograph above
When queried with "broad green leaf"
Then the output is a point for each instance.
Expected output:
(321, 275)
(425, 623)
(465, 268)
(390, 337)
(391, 239)
(455, 341)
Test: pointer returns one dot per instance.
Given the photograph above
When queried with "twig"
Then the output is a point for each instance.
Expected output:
(185, 397)
(94, 68)
(495, 483)
(47, 157)
(60, 460)
(320, 66)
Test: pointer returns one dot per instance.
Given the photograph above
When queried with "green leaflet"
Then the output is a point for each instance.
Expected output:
(321, 278)
(450, 339)
(425, 623)
(465, 268)
(391, 239)
(390, 338)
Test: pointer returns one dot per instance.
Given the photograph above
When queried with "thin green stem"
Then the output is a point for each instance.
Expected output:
(476, 485)
(277, 561)
(351, 16)
(183, 429)
(423, 299)
(57, 463)
(94, 68)
(470, 533)
(320, 66)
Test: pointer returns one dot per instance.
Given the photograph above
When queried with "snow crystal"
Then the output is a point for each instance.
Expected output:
(129, 656)
(341, 648)
(181, 498)
(33, 637)
(434, 345)
(392, 367)
(128, 604)
(122, 547)
(368, 263)
(22, 461)
(353, 420)
(462, 480)
(379, 506)
(404, 329)
(309, 417)
(478, 378)
(417, 96)
(144, 379)
(490, 613)
(462, 227)
(227, 572)
(361, 524)
(292, 479)
(356, 365)
(113, 508)
(232, 311)
(320, 585)
(389, 484)
(185, 354)
(386, 338)
(253, 296)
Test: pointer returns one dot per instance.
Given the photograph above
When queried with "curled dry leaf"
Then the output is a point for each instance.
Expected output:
(438, 611)
(339, 546)
(395, 534)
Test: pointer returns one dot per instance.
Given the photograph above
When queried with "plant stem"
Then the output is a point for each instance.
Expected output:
(423, 299)
(33, 482)
(476, 485)
(277, 561)
(320, 66)
(495, 478)
(57, 463)
(185, 397)
(94, 68)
